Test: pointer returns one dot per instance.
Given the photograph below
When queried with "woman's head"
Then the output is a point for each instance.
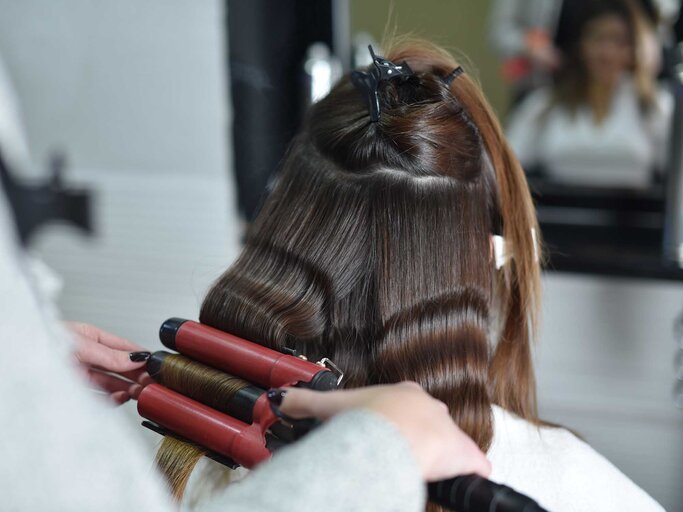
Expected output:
(602, 42)
(607, 45)
(374, 246)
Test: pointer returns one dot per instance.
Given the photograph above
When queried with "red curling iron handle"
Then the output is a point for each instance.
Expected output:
(242, 358)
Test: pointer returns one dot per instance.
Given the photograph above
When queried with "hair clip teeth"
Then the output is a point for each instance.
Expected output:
(368, 82)
(448, 79)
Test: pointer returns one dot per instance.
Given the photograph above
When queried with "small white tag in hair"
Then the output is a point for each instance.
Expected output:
(501, 253)
(534, 239)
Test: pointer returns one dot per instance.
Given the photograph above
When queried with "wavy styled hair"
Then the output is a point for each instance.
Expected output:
(373, 247)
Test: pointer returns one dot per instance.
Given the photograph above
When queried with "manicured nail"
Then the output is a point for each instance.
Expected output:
(275, 396)
(138, 357)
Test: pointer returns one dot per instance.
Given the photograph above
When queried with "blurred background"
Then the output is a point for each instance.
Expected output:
(137, 138)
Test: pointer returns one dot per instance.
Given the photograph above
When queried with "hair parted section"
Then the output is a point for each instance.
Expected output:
(373, 247)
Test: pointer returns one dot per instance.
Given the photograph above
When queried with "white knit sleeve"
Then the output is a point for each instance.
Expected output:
(357, 461)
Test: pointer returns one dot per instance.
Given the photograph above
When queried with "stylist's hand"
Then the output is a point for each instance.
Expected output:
(441, 448)
(113, 364)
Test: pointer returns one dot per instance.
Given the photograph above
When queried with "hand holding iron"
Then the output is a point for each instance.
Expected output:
(441, 449)
(113, 364)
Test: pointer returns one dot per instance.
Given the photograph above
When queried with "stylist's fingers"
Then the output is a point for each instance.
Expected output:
(120, 397)
(441, 449)
(463, 456)
(109, 359)
(140, 376)
(479, 464)
(304, 403)
(97, 335)
(113, 384)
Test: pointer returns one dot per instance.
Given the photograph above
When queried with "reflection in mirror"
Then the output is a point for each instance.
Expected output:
(587, 87)
(591, 122)
(604, 120)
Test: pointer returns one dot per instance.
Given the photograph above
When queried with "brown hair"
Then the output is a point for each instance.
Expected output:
(373, 246)
(176, 458)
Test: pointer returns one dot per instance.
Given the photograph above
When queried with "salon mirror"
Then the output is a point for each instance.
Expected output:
(587, 94)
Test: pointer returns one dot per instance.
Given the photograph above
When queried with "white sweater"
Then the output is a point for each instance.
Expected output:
(559, 470)
(622, 151)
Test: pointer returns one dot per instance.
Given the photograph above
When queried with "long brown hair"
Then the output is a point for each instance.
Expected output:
(373, 247)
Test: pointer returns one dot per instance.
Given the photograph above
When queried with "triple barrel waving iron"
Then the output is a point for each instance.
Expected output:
(243, 430)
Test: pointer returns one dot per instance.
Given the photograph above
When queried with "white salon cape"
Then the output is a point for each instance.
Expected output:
(622, 151)
(560, 471)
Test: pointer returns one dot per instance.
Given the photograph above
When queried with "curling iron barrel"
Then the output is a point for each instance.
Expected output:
(252, 362)
(238, 400)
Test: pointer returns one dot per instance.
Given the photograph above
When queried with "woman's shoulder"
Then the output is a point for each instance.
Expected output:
(560, 470)
(523, 126)
(663, 100)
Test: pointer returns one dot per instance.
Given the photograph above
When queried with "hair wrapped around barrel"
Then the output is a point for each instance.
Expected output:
(226, 413)
(202, 410)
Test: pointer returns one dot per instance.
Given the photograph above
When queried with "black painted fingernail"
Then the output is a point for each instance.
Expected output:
(137, 357)
(275, 396)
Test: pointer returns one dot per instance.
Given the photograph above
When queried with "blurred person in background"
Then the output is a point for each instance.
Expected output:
(604, 121)
(524, 35)
(521, 32)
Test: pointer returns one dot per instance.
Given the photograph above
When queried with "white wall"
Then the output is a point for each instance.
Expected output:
(135, 94)
(605, 369)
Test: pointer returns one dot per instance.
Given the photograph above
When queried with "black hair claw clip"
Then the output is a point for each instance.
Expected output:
(368, 82)
(453, 75)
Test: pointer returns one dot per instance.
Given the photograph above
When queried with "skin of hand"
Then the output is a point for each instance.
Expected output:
(541, 50)
(105, 360)
(440, 447)
(545, 57)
